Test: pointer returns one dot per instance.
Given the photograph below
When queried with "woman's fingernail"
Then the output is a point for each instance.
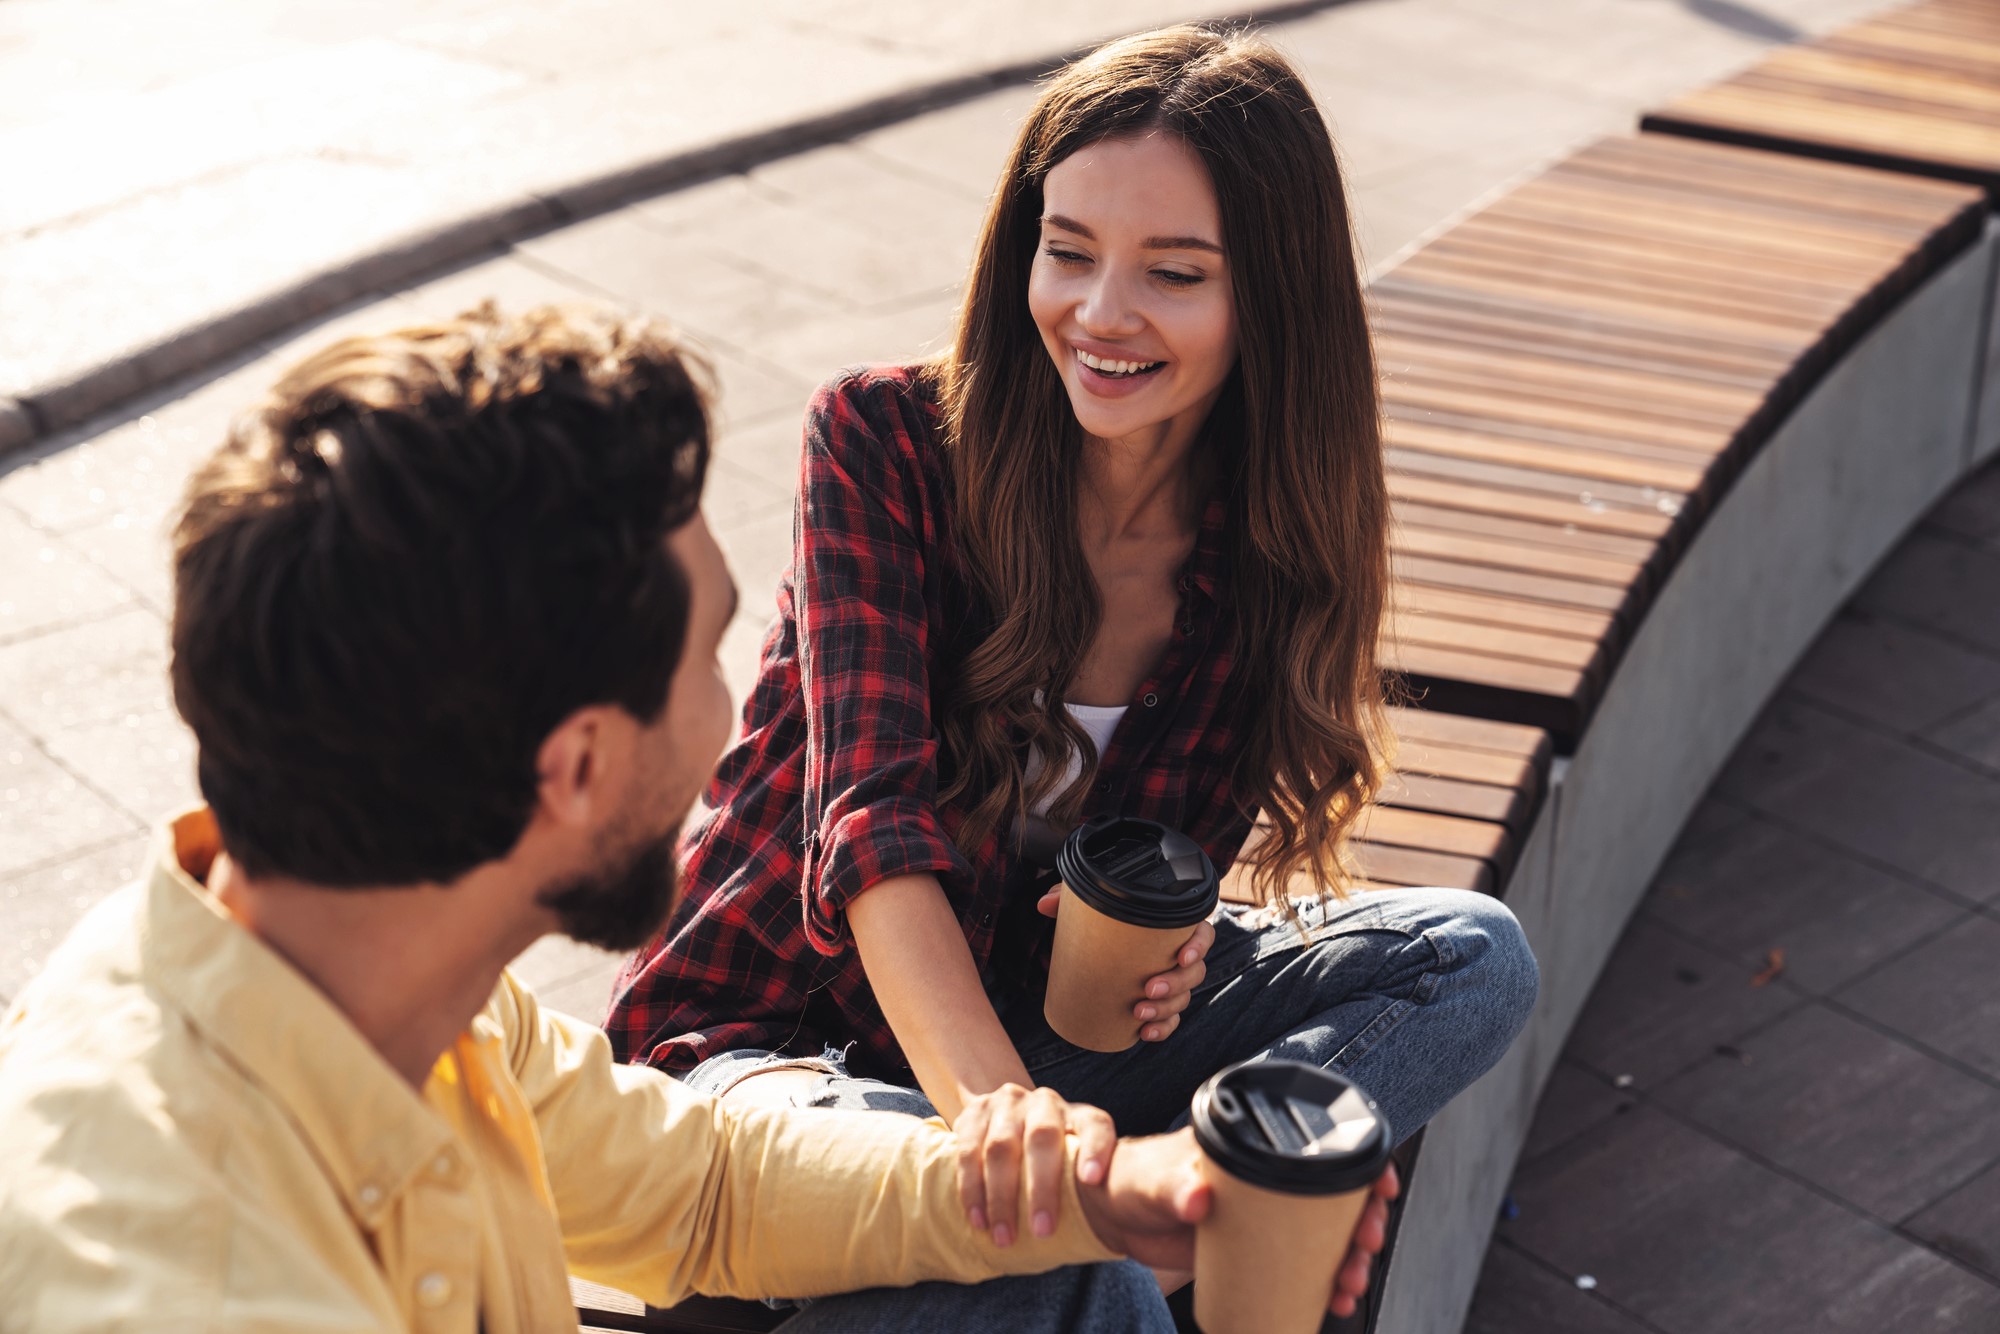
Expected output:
(1091, 1172)
(1003, 1235)
(1157, 990)
(1151, 1035)
(1044, 1224)
(1145, 1012)
(978, 1217)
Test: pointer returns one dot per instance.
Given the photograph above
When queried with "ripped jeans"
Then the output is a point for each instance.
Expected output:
(1411, 993)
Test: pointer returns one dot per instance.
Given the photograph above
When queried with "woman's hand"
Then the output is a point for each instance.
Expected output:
(1154, 1196)
(1015, 1133)
(1166, 994)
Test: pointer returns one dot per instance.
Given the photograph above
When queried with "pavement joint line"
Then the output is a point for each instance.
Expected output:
(63, 859)
(1826, 844)
(19, 637)
(1911, 740)
(75, 398)
(141, 824)
(1594, 1294)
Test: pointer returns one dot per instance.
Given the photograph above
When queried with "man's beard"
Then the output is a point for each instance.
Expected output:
(622, 906)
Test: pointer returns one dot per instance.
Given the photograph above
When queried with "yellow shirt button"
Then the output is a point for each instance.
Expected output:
(444, 1165)
(433, 1290)
(369, 1195)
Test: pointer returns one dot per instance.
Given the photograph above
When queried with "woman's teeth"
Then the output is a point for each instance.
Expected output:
(1106, 366)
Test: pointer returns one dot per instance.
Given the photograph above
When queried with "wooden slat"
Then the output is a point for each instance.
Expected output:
(1915, 89)
(1574, 376)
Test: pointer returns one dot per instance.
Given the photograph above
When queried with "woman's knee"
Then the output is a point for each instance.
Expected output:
(1487, 937)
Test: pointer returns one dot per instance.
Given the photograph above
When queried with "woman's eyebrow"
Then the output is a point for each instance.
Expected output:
(1058, 221)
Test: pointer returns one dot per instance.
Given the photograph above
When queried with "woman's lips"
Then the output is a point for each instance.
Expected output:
(1113, 386)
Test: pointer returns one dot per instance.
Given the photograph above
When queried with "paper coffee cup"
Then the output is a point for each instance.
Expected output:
(1290, 1151)
(1133, 891)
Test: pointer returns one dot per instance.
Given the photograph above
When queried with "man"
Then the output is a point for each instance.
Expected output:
(445, 624)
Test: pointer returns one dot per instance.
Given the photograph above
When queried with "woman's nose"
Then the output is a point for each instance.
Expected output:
(1107, 309)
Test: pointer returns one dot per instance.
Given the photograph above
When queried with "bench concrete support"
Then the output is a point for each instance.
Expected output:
(1985, 440)
(1875, 444)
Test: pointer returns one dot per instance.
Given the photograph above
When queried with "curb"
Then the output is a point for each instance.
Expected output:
(48, 408)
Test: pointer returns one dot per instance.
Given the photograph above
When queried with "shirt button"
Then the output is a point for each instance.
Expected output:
(1150, 700)
(444, 1165)
(370, 1195)
(433, 1290)
(1104, 785)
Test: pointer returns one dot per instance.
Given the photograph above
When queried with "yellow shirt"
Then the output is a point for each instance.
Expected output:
(192, 1137)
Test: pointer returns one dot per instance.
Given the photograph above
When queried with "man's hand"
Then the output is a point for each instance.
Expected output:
(1154, 1195)
(1166, 994)
(1014, 1133)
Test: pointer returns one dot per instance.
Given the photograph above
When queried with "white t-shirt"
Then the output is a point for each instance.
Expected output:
(1040, 839)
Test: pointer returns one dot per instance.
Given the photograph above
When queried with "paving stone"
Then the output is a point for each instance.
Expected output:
(818, 348)
(48, 582)
(770, 448)
(1516, 1294)
(1973, 735)
(1894, 674)
(143, 760)
(505, 279)
(134, 547)
(734, 494)
(1872, 795)
(754, 390)
(46, 814)
(134, 462)
(94, 673)
(1693, 1237)
(1662, 1004)
(41, 906)
(1944, 994)
(1966, 1223)
(555, 959)
(859, 188)
(759, 552)
(965, 146)
(1972, 510)
(1941, 583)
(1865, 1117)
(900, 256)
(586, 996)
(1745, 886)
(1574, 1100)
(687, 278)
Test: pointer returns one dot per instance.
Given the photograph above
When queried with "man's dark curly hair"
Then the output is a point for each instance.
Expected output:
(412, 561)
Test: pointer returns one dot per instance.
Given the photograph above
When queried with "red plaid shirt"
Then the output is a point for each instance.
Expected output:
(832, 785)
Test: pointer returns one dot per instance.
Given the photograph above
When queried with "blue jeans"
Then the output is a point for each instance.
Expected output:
(1412, 993)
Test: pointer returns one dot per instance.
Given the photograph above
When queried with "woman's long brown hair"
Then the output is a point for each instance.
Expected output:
(1294, 442)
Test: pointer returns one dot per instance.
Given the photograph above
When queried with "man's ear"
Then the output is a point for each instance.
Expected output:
(570, 769)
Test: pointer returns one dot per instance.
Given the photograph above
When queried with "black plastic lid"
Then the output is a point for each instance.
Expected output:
(1292, 1127)
(1139, 871)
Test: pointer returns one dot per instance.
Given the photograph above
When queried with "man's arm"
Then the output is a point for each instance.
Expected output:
(662, 1192)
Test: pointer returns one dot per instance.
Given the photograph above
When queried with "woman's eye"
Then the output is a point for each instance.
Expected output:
(1061, 256)
(1175, 278)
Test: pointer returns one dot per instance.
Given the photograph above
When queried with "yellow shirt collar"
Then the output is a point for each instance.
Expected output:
(374, 1131)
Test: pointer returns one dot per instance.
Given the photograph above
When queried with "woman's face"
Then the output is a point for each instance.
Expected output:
(1130, 287)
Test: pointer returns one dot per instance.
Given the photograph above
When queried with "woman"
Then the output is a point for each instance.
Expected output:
(1121, 549)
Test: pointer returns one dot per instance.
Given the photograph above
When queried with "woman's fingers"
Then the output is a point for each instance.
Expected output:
(971, 1129)
(1179, 982)
(1044, 1139)
(1196, 948)
(1047, 904)
(1003, 1165)
(1162, 1030)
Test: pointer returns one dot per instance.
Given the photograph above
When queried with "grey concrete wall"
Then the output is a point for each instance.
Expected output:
(1875, 444)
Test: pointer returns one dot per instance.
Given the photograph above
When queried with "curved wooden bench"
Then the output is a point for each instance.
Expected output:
(1916, 90)
(1756, 370)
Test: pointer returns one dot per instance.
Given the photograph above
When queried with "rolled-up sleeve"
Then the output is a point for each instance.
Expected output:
(860, 563)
